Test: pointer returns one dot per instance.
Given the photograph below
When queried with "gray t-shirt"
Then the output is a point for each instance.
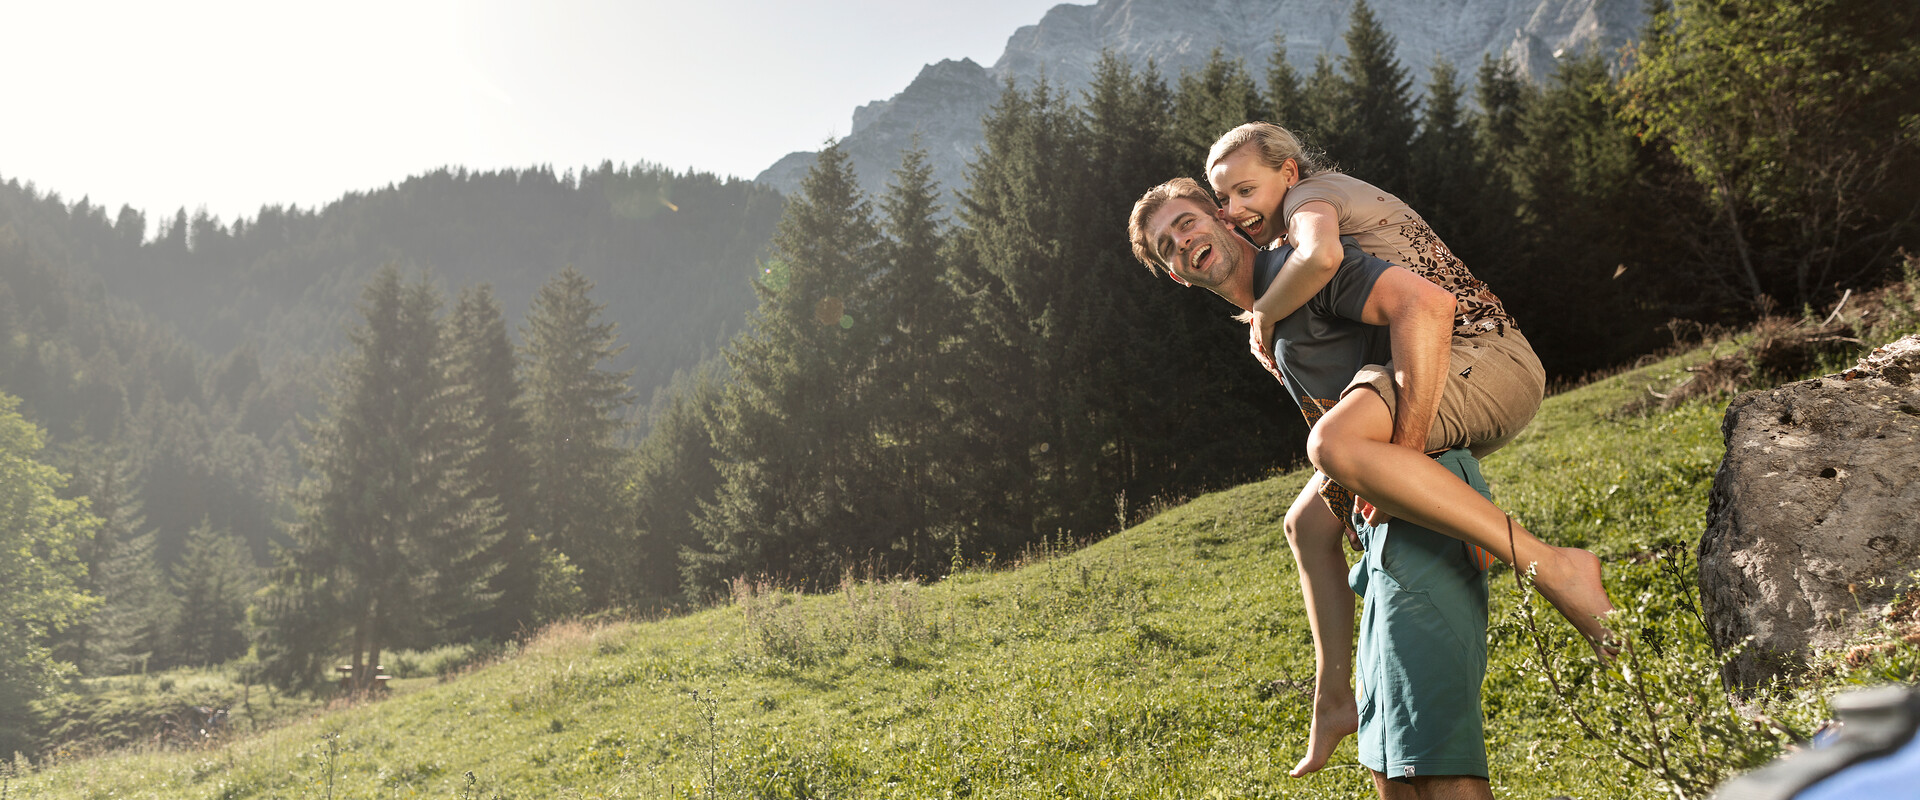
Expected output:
(1320, 346)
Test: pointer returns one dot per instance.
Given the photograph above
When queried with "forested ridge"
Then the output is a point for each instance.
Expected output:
(935, 377)
(670, 252)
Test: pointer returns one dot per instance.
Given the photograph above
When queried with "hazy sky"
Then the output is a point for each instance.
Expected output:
(231, 105)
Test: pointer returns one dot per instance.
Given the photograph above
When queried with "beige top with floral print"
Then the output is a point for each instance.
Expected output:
(1389, 230)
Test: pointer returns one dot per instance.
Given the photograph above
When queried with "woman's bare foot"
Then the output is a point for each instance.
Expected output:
(1333, 719)
(1573, 587)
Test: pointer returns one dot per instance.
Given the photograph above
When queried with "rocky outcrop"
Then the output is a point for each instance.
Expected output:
(1814, 517)
(945, 103)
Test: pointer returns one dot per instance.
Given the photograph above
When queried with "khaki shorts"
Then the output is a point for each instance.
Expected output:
(1494, 386)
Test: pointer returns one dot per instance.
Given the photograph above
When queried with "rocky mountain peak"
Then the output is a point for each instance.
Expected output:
(945, 102)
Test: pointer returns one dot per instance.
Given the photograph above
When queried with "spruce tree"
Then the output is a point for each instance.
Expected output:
(1185, 369)
(575, 411)
(1582, 182)
(1446, 180)
(136, 614)
(391, 545)
(1372, 143)
(913, 460)
(787, 430)
(210, 585)
(109, 482)
(1212, 100)
(672, 475)
(1020, 261)
(482, 371)
(1284, 103)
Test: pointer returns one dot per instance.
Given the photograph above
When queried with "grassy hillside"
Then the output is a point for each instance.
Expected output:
(1168, 660)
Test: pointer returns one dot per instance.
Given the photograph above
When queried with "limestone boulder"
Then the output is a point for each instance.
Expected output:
(1814, 517)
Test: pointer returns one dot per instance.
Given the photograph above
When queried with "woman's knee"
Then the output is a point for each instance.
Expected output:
(1327, 446)
(1309, 523)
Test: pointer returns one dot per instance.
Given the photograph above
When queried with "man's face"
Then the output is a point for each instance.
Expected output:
(1197, 248)
(1250, 192)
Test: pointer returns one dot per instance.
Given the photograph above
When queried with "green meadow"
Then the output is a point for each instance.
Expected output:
(1168, 659)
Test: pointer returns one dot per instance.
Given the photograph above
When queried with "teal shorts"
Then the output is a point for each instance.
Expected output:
(1422, 650)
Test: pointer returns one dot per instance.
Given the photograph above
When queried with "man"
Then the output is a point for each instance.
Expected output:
(1369, 313)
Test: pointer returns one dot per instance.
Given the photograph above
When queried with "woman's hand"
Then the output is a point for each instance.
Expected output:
(1260, 340)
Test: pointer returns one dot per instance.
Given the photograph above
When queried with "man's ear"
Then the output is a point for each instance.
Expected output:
(1179, 280)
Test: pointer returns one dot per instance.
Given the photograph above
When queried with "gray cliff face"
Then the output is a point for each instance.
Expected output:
(945, 102)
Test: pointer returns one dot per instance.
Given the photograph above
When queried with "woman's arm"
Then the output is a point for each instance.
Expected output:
(1314, 232)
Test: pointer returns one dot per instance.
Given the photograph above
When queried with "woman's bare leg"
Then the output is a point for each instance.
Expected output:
(1352, 443)
(1315, 535)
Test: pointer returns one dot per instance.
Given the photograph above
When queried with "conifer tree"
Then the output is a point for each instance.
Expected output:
(1185, 370)
(1328, 117)
(392, 540)
(1378, 123)
(1020, 259)
(915, 312)
(788, 433)
(1446, 184)
(1287, 107)
(1212, 100)
(1503, 97)
(575, 411)
(1588, 219)
(134, 613)
(482, 371)
(210, 585)
(673, 474)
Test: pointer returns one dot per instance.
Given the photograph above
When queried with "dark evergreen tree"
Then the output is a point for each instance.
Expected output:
(211, 585)
(482, 372)
(1328, 118)
(392, 543)
(1212, 100)
(136, 614)
(1020, 259)
(575, 411)
(1378, 123)
(789, 434)
(673, 474)
(1585, 283)
(1284, 103)
(1185, 370)
(121, 571)
(1447, 186)
(916, 312)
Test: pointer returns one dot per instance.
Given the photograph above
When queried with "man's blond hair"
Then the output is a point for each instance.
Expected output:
(1150, 204)
(1276, 145)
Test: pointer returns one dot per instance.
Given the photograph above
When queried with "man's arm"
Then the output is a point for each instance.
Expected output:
(1419, 320)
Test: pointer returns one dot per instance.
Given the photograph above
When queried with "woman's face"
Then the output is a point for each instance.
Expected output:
(1249, 192)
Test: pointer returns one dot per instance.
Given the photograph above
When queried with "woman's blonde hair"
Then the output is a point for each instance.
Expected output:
(1276, 145)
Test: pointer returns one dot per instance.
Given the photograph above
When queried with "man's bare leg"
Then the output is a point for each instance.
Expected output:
(1437, 787)
(1353, 444)
(1315, 535)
